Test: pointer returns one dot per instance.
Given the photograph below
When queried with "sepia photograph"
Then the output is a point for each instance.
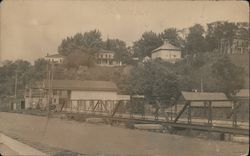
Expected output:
(124, 78)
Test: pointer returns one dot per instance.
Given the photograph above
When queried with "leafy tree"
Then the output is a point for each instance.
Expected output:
(155, 79)
(217, 31)
(120, 49)
(66, 46)
(40, 67)
(230, 78)
(92, 39)
(172, 36)
(81, 42)
(195, 41)
(146, 44)
(9, 71)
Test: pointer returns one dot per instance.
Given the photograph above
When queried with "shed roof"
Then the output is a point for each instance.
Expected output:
(204, 96)
(104, 51)
(82, 85)
(243, 93)
(166, 46)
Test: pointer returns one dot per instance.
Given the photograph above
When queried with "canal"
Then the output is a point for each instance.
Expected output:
(100, 139)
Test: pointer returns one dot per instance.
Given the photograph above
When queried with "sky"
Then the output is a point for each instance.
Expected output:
(29, 29)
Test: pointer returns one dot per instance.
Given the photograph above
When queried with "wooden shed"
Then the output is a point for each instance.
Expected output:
(211, 105)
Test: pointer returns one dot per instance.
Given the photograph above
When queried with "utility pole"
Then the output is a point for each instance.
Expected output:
(48, 85)
(49, 81)
(15, 84)
(201, 83)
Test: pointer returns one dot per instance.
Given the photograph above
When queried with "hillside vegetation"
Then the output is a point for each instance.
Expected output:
(203, 68)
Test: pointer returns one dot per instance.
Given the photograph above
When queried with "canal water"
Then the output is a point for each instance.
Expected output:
(100, 139)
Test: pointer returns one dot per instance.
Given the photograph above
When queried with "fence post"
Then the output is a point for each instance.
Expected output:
(189, 113)
(210, 112)
(234, 114)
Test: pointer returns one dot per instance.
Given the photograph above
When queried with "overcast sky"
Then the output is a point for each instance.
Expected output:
(32, 28)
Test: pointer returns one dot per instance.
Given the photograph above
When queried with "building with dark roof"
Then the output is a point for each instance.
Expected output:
(65, 92)
(203, 96)
(221, 105)
(78, 85)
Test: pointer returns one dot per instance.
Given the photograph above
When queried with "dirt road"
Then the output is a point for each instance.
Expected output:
(101, 139)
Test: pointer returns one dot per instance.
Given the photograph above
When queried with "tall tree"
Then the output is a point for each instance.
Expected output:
(155, 79)
(146, 44)
(195, 42)
(40, 67)
(120, 49)
(19, 70)
(217, 31)
(81, 42)
(172, 36)
(93, 39)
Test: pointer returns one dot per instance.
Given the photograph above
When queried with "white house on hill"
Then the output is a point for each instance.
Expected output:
(106, 58)
(167, 52)
(55, 58)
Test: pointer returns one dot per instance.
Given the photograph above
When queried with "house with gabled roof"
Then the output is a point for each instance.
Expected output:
(167, 52)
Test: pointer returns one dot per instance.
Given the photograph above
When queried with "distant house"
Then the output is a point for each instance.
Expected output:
(55, 58)
(106, 58)
(167, 52)
(76, 93)
(239, 44)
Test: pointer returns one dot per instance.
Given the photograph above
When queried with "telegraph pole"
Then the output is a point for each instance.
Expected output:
(15, 84)
(49, 82)
(201, 83)
(51, 79)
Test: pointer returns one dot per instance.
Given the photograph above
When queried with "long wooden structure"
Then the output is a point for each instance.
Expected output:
(121, 113)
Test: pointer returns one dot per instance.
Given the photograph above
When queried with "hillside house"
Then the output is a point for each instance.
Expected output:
(239, 44)
(55, 58)
(106, 58)
(167, 52)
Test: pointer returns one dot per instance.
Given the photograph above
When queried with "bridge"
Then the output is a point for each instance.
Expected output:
(135, 112)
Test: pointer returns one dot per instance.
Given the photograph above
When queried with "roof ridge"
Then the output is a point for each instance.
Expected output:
(166, 46)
